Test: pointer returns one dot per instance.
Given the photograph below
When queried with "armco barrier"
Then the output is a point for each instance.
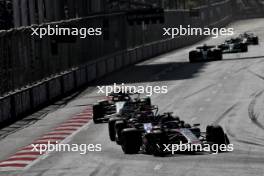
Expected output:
(21, 102)
(39, 95)
(80, 77)
(118, 61)
(110, 64)
(133, 56)
(91, 72)
(139, 53)
(54, 88)
(5, 109)
(14, 105)
(68, 82)
(126, 59)
(101, 68)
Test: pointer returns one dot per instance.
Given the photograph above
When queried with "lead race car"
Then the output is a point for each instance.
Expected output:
(205, 53)
(249, 38)
(151, 134)
(234, 45)
(104, 109)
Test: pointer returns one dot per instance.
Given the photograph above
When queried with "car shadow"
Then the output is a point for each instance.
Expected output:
(157, 72)
(243, 58)
(153, 73)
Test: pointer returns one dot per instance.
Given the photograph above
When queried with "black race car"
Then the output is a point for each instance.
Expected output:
(234, 45)
(104, 109)
(205, 53)
(151, 133)
(119, 121)
(249, 38)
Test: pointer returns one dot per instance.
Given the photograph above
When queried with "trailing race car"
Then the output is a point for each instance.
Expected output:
(151, 135)
(205, 53)
(249, 38)
(234, 45)
(104, 109)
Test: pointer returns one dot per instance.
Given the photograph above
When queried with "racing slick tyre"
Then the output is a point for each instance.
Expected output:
(227, 140)
(216, 135)
(111, 128)
(255, 40)
(153, 143)
(192, 56)
(131, 140)
(119, 126)
(97, 113)
(244, 47)
(218, 54)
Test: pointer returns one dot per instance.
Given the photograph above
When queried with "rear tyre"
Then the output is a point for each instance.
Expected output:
(216, 135)
(131, 141)
(119, 126)
(255, 41)
(192, 56)
(151, 145)
(218, 54)
(227, 139)
(244, 47)
(97, 113)
(111, 128)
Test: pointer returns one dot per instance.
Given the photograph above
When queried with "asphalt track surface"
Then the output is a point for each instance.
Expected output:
(228, 92)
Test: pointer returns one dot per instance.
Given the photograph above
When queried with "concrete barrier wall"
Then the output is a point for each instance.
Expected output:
(18, 104)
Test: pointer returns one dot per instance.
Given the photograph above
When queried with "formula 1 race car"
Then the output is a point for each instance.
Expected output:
(103, 109)
(120, 121)
(152, 135)
(234, 45)
(205, 53)
(249, 38)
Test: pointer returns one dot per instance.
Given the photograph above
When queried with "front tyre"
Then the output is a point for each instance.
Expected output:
(244, 47)
(131, 141)
(97, 113)
(119, 126)
(192, 56)
(216, 135)
(111, 128)
(255, 40)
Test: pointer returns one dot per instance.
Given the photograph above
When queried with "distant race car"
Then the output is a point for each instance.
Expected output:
(205, 53)
(234, 45)
(104, 109)
(151, 135)
(249, 38)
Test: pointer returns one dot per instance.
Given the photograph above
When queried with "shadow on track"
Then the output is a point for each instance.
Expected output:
(154, 72)
(157, 72)
(244, 58)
